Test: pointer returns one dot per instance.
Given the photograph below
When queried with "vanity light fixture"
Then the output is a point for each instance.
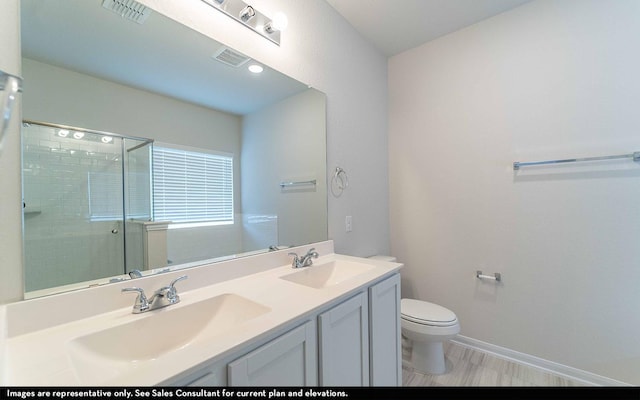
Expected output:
(247, 15)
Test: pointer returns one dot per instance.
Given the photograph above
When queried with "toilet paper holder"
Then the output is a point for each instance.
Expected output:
(495, 277)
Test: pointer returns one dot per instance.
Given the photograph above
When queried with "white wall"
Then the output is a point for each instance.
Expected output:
(552, 79)
(62, 96)
(286, 142)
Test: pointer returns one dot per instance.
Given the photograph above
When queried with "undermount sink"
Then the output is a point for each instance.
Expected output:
(117, 349)
(328, 274)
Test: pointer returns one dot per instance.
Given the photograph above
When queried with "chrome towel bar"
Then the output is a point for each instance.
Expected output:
(635, 156)
(496, 276)
(299, 183)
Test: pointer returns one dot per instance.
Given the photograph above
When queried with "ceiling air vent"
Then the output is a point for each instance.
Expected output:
(230, 57)
(129, 9)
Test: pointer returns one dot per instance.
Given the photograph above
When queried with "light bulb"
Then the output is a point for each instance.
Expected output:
(63, 133)
(247, 13)
(278, 23)
(78, 135)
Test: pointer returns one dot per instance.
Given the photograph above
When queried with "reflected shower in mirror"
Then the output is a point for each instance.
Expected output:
(87, 67)
(79, 189)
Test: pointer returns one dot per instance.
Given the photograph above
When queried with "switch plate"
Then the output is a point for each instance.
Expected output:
(348, 223)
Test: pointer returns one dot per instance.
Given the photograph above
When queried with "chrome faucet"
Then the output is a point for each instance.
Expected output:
(165, 296)
(304, 261)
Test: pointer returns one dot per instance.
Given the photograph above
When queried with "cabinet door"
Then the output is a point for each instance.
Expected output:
(344, 344)
(210, 378)
(289, 360)
(384, 325)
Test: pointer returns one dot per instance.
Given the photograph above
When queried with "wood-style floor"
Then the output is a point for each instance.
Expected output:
(469, 367)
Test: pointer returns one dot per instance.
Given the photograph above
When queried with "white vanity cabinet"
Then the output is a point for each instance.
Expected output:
(344, 343)
(385, 338)
(289, 360)
(351, 342)
(360, 341)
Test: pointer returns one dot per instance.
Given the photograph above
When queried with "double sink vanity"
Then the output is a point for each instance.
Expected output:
(244, 322)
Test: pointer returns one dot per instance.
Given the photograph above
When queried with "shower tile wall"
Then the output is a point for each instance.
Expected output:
(62, 244)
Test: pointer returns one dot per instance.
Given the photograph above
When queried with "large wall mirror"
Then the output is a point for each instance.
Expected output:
(122, 115)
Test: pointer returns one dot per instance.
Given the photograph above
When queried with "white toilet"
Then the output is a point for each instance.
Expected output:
(427, 326)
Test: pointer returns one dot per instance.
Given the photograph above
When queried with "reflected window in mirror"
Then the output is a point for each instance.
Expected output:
(192, 187)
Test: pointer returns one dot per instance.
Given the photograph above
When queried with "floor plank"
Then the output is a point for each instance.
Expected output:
(470, 367)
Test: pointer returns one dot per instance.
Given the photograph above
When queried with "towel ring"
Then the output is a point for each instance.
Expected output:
(339, 182)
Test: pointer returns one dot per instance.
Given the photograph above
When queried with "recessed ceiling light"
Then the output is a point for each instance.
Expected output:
(255, 68)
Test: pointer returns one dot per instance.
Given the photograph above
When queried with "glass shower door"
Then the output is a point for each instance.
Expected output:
(73, 206)
(137, 200)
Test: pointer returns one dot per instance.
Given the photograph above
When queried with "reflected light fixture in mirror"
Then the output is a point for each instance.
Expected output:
(248, 16)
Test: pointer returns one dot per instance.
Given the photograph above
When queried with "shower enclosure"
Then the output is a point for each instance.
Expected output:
(81, 191)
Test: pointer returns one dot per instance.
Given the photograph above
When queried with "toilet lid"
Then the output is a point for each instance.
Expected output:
(422, 312)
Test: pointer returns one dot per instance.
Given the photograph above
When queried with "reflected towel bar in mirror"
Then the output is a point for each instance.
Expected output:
(298, 183)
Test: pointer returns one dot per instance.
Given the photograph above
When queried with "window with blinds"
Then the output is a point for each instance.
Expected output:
(192, 187)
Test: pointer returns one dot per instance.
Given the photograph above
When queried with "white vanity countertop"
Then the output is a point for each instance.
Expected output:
(42, 357)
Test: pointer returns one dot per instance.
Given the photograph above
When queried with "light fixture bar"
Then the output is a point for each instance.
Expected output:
(248, 16)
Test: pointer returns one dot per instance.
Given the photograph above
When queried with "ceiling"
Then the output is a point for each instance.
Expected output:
(159, 55)
(145, 58)
(394, 26)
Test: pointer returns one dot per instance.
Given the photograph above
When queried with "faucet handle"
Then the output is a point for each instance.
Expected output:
(295, 263)
(173, 293)
(141, 303)
(312, 252)
(178, 279)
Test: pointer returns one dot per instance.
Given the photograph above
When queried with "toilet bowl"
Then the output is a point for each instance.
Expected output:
(427, 326)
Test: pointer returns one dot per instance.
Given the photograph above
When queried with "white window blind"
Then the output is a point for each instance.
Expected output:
(192, 187)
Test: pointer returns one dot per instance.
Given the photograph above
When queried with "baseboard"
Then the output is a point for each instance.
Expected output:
(575, 374)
